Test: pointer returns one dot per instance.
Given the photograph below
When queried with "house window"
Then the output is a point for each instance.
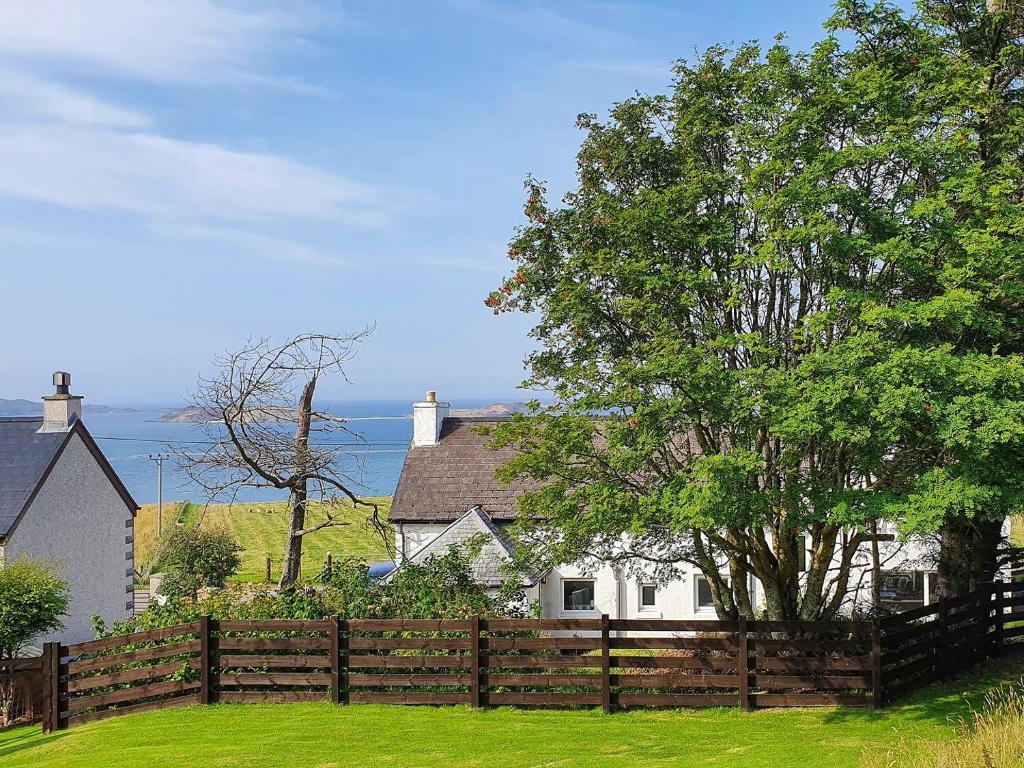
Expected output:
(904, 590)
(705, 602)
(648, 596)
(578, 595)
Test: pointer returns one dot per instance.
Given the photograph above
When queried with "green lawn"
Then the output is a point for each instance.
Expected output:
(261, 528)
(323, 735)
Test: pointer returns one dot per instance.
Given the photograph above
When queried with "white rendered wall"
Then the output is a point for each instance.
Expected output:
(80, 522)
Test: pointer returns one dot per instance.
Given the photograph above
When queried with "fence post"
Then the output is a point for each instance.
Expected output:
(997, 640)
(474, 647)
(52, 720)
(268, 569)
(204, 659)
(606, 667)
(943, 648)
(876, 663)
(335, 659)
(45, 674)
(743, 663)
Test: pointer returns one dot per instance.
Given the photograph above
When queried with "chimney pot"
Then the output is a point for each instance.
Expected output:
(431, 396)
(61, 409)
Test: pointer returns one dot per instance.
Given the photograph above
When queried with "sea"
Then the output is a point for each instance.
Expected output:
(132, 441)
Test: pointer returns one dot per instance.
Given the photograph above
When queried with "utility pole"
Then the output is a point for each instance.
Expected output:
(159, 459)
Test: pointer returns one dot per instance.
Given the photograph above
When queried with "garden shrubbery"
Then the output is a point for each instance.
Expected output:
(197, 557)
(440, 588)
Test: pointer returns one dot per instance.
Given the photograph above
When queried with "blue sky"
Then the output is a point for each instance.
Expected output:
(177, 176)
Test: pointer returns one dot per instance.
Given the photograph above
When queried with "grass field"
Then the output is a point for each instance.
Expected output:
(261, 528)
(324, 735)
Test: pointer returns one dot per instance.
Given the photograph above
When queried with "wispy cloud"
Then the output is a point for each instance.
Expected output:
(61, 144)
(271, 248)
(166, 178)
(539, 19)
(157, 40)
(32, 97)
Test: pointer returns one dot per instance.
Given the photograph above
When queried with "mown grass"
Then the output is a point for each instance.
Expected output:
(261, 527)
(323, 735)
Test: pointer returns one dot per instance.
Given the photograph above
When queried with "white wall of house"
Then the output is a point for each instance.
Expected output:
(411, 537)
(79, 521)
(621, 595)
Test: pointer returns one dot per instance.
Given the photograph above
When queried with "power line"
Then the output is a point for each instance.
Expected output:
(227, 442)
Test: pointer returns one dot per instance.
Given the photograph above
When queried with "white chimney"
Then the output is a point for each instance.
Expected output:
(61, 409)
(427, 420)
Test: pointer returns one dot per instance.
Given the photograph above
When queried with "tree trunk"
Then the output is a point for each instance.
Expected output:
(967, 556)
(298, 495)
(293, 550)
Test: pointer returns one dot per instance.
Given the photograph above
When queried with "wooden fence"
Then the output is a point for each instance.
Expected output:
(939, 640)
(608, 663)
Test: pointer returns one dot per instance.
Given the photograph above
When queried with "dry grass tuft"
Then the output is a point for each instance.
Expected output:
(991, 738)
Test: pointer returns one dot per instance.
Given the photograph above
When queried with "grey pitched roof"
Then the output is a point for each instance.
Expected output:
(439, 483)
(25, 455)
(496, 550)
(26, 458)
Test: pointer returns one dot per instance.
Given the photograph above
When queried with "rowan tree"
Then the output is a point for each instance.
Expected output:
(782, 303)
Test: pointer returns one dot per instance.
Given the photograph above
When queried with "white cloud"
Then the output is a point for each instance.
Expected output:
(62, 145)
(31, 97)
(163, 178)
(159, 40)
(272, 248)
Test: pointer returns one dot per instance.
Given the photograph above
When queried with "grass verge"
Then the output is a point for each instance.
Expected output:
(324, 735)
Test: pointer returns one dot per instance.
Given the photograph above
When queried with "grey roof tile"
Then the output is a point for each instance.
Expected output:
(439, 483)
(25, 453)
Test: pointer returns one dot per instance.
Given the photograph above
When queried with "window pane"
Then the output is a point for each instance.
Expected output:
(578, 595)
(647, 595)
(902, 589)
(704, 599)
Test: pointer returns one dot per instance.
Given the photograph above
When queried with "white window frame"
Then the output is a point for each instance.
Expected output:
(576, 611)
(653, 607)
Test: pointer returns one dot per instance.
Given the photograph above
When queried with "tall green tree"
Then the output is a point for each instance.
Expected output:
(789, 292)
(965, 75)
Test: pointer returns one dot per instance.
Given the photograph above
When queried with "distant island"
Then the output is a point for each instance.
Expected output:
(21, 407)
(195, 415)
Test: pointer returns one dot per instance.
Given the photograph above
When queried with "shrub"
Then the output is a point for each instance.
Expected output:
(440, 588)
(198, 557)
(33, 598)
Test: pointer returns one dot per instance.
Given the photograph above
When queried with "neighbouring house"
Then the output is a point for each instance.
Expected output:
(447, 491)
(62, 502)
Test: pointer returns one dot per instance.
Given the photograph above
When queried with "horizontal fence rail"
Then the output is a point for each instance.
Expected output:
(592, 662)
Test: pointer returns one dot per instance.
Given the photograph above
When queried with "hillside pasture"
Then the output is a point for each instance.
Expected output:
(261, 529)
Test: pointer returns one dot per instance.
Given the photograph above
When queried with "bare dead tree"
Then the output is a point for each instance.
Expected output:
(265, 432)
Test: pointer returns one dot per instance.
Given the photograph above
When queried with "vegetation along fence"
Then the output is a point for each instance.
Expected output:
(611, 663)
(21, 686)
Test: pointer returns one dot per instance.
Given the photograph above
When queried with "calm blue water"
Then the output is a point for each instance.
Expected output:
(128, 440)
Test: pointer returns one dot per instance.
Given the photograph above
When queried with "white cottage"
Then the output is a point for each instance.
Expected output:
(448, 490)
(62, 502)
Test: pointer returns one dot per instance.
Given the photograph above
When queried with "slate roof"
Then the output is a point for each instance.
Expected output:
(440, 482)
(496, 550)
(26, 458)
